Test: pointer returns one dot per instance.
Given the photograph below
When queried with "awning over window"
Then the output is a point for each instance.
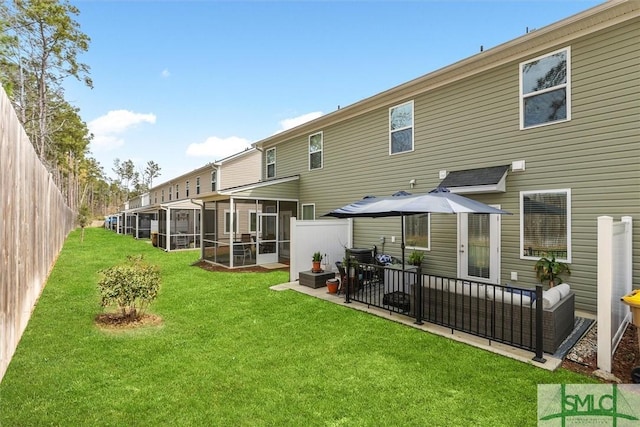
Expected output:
(482, 180)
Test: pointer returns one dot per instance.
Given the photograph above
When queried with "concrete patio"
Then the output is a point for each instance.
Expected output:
(551, 364)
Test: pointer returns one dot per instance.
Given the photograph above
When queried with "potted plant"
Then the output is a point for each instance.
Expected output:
(416, 258)
(332, 286)
(316, 259)
(548, 269)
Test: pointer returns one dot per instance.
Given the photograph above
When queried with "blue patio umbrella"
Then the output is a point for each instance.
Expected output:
(438, 200)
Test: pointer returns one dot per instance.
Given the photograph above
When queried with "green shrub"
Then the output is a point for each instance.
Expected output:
(132, 286)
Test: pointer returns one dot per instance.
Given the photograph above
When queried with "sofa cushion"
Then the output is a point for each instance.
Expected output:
(551, 297)
(564, 289)
(531, 293)
(384, 259)
(511, 295)
(467, 288)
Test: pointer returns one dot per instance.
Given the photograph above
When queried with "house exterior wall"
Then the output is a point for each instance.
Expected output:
(204, 173)
(474, 122)
(285, 191)
(241, 170)
(136, 202)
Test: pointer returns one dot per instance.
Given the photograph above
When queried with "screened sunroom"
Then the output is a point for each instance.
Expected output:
(250, 225)
(179, 225)
(143, 219)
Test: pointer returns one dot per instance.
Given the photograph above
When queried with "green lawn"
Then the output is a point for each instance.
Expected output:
(233, 352)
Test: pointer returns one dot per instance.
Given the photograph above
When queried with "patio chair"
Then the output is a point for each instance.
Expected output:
(249, 244)
(240, 251)
(182, 241)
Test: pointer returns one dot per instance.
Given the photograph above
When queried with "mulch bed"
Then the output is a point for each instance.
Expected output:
(115, 321)
(251, 269)
(626, 357)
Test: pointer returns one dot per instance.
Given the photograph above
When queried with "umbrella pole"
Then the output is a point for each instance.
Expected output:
(402, 248)
(402, 239)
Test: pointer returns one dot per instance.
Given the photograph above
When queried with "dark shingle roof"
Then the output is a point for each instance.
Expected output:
(474, 177)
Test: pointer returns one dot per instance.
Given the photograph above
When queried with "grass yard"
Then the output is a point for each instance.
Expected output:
(230, 351)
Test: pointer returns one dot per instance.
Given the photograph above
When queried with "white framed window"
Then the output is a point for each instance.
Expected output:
(270, 158)
(545, 89)
(155, 197)
(186, 189)
(214, 179)
(401, 128)
(162, 195)
(198, 185)
(308, 212)
(228, 223)
(417, 231)
(253, 221)
(170, 193)
(545, 224)
(315, 151)
(177, 191)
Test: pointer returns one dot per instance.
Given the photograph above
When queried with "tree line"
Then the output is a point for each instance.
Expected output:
(40, 43)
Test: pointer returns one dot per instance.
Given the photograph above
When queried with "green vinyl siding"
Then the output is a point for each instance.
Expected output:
(283, 190)
(475, 122)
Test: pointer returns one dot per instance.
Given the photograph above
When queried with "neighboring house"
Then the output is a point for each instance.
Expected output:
(137, 221)
(250, 224)
(546, 126)
(174, 203)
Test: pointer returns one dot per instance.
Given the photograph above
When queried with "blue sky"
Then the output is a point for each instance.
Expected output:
(184, 83)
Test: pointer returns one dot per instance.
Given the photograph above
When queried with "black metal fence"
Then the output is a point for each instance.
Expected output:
(504, 314)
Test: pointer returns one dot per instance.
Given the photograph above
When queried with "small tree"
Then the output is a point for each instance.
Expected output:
(132, 286)
(83, 219)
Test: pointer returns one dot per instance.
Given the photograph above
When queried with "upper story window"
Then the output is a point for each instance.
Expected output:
(545, 224)
(308, 212)
(315, 151)
(401, 128)
(545, 91)
(170, 192)
(270, 157)
(198, 185)
(162, 195)
(186, 189)
(214, 179)
(155, 197)
(177, 191)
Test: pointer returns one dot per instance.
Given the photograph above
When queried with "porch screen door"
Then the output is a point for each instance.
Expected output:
(479, 247)
(267, 238)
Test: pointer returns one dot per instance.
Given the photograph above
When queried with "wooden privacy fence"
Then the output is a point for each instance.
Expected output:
(34, 222)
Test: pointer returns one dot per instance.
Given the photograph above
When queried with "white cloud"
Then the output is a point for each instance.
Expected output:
(218, 148)
(106, 128)
(106, 142)
(165, 73)
(296, 121)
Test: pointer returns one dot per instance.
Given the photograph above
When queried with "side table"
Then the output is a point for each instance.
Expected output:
(315, 280)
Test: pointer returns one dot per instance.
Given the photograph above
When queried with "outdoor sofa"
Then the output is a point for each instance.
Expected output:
(500, 313)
